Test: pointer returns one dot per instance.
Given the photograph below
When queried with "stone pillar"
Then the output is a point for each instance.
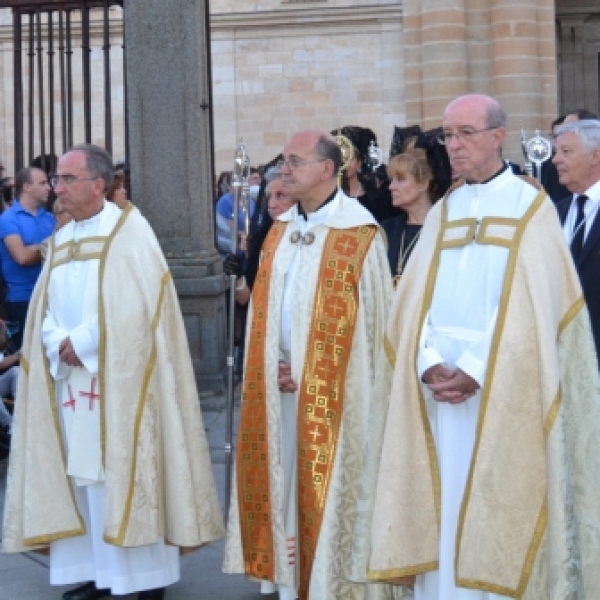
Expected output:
(171, 163)
(503, 48)
(435, 58)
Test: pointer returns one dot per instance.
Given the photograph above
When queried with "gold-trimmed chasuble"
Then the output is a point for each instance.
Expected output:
(321, 391)
(320, 401)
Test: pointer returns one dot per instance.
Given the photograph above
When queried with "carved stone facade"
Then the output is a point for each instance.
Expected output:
(282, 65)
(578, 51)
(279, 67)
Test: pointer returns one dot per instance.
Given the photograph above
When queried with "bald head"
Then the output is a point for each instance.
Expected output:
(493, 114)
(324, 144)
(474, 129)
(312, 160)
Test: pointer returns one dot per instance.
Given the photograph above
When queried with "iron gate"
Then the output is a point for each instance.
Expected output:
(55, 89)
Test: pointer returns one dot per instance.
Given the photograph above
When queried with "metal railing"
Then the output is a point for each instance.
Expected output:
(53, 86)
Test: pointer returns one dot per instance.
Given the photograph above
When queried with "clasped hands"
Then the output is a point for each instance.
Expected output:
(447, 385)
(284, 378)
(67, 354)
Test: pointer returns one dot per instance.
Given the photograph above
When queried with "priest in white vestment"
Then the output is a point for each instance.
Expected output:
(315, 330)
(480, 479)
(110, 465)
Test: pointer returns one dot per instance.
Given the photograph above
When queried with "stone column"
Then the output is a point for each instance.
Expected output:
(503, 48)
(171, 163)
(435, 57)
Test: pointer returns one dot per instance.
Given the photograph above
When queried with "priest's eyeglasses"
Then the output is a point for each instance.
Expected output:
(68, 179)
(293, 162)
(461, 135)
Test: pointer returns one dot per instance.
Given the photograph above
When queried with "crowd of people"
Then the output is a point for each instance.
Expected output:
(426, 442)
(420, 410)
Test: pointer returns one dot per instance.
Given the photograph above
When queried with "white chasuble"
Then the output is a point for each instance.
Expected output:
(491, 497)
(458, 333)
(73, 312)
(107, 287)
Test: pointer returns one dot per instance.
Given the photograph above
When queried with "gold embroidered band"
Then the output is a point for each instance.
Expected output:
(496, 231)
(458, 233)
(321, 391)
(86, 249)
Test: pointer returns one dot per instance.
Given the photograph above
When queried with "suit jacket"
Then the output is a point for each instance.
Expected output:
(588, 267)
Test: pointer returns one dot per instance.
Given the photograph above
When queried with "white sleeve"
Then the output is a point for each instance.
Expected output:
(474, 360)
(85, 343)
(52, 336)
(84, 340)
(428, 356)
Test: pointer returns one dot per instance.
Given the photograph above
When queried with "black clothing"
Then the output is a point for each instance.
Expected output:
(378, 202)
(588, 267)
(401, 241)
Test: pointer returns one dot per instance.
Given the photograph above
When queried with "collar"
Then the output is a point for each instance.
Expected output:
(593, 194)
(18, 207)
(499, 172)
(327, 201)
(89, 220)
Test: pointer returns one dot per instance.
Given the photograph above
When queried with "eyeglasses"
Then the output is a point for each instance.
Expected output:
(462, 135)
(294, 163)
(68, 179)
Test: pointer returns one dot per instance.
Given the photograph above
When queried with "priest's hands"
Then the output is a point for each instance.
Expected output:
(284, 378)
(67, 354)
(448, 385)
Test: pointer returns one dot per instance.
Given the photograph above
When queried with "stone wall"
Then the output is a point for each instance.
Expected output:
(278, 71)
(283, 65)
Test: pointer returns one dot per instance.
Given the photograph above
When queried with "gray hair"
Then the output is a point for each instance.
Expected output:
(327, 148)
(272, 174)
(98, 162)
(495, 115)
(588, 131)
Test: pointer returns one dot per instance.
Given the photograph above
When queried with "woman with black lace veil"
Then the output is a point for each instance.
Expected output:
(359, 178)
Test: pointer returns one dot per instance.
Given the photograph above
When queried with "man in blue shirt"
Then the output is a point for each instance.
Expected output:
(22, 227)
(225, 208)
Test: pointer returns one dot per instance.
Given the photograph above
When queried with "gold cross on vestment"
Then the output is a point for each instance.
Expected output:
(315, 433)
(346, 245)
(336, 307)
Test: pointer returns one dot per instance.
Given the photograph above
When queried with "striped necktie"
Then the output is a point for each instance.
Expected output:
(579, 229)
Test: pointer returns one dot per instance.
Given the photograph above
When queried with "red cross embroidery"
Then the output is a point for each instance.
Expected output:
(91, 394)
(71, 401)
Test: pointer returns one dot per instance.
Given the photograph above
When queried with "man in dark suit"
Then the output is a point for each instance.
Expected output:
(577, 160)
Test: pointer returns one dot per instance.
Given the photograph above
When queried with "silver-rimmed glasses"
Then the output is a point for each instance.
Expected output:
(464, 134)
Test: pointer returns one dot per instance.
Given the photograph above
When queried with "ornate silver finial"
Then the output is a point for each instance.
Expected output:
(537, 151)
(375, 156)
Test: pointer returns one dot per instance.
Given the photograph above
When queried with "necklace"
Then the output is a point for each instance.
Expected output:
(403, 256)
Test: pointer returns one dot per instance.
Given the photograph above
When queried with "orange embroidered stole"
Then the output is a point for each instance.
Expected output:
(252, 453)
(320, 402)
